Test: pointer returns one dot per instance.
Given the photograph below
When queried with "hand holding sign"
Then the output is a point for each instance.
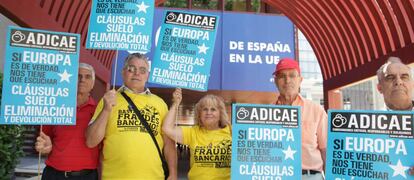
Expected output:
(43, 143)
(177, 97)
(109, 100)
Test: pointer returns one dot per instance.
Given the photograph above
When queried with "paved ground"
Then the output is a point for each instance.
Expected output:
(28, 168)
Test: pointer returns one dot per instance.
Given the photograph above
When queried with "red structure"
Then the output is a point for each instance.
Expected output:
(351, 38)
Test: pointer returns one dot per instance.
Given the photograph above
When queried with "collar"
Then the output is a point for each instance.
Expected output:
(296, 102)
(123, 88)
(90, 101)
(388, 109)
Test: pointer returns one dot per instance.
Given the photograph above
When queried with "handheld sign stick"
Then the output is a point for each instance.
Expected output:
(176, 124)
(40, 157)
(116, 65)
(323, 174)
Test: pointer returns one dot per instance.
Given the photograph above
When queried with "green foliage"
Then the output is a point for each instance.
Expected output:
(176, 3)
(239, 5)
(256, 6)
(11, 146)
(205, 4)
(229, 5)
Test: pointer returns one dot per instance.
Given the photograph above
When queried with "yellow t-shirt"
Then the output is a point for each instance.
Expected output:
(210, 152)
(128, 150)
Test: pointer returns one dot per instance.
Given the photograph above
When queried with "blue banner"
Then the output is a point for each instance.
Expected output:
(252, 46)
(184, 50)
(370, 145)
(266, 142)
(241, 34)
(215, 70)
(121, 25)
(40, 77)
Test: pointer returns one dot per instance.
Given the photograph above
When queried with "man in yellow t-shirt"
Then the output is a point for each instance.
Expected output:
(128, 150)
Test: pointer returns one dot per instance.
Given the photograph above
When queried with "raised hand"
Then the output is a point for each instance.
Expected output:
(109, 99)
(177, 96)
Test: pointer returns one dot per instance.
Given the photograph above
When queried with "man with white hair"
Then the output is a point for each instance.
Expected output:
(396, 84)
(133, 145)
(68, 155)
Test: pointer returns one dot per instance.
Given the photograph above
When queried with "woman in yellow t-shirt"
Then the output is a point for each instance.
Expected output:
(209, 140)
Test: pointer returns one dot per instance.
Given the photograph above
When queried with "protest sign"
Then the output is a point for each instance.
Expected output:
(369, 145)
(266, 142)
(121, 25)
(185, 49)
(40, 77)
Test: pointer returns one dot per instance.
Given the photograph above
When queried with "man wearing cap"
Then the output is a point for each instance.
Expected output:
(396, 84)
(314, 119)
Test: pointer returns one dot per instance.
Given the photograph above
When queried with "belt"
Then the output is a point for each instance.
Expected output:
(67, 174)
(310, 172)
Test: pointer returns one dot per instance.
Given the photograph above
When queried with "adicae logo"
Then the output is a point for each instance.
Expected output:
(171, 16)
(242, 113)
(18, 37)
(338, 120)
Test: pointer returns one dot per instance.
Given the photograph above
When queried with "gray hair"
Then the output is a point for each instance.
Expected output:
(88, 67)
(381, 72)
(135, 55)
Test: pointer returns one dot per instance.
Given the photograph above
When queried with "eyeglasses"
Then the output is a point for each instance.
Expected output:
(393, 77)
(132, 69)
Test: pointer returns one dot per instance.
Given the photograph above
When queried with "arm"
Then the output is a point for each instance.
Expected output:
(411, 172)
(170, 153)
(96, 131)
(322, 135)
(169, 128)
(43, 144)
(323, 155)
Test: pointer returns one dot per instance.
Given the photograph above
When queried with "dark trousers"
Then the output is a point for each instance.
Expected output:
(50, 173)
